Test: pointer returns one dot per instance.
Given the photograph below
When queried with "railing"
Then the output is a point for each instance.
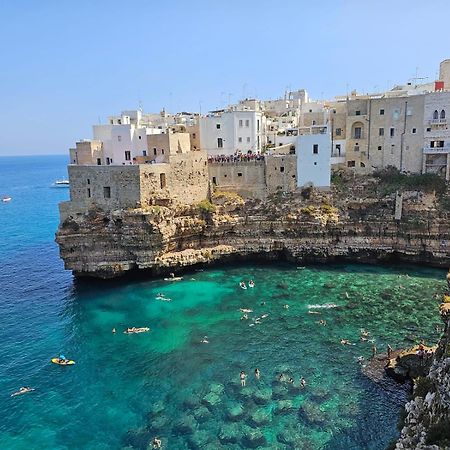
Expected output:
(437, 121)
(436, 150)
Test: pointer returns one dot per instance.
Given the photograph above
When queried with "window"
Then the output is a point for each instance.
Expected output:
(315, 163)
(338, 131)
(414, 131)
(351, 163)
(240, 139)
(127, 155)
(99, 162)
(140, 137)
(162, 151)
(428, 129)
(379, 147)
(119, 138)
(357, 133)
(107, 192)
(248, 140)
(214, 180)
(162, 180)
(88, 181)
(392, 132)
(257, 126)
(435, 115)
(315, 149)
(239, 174)
(313, 122)
(218, 126)
(356, 147)
(247, 123)
(144, 152)
(281, 169)
(89, 192)
(154, 151)
(362, 164)
(357, 113)
(443, 114)
(193, 135)
(338, 149)
(219, 143)
(380, 131)
(240, 123)
(381, 112)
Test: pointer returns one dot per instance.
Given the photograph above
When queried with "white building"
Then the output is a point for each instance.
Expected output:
(124, 138)
(314, 159)
(228, 132)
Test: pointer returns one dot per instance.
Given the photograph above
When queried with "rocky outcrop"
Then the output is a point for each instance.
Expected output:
(356, 225)
(427, 424)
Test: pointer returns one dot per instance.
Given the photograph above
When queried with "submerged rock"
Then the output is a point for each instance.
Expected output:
(283, 407)
(253, 438)
(211, 400)
(217, 388)
(185, 425)
(157, 408)
(158, 423)
(235, 412)
(312, 414)
(230, 433)
(199, 439)
(280, 392)
(262, 396)
(201, 414)
(260, 417)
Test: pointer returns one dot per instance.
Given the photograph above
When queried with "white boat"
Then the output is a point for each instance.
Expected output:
(6, 199)
(61, 183)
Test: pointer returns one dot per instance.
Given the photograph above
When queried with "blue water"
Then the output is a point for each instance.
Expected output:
(126, 389)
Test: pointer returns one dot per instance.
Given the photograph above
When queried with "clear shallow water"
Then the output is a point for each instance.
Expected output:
(125, 389)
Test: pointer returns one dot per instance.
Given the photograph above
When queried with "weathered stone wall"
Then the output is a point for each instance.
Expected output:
(248, 179)
(281, 173)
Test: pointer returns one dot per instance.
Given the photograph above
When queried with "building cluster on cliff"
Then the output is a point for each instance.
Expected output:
(139, 159)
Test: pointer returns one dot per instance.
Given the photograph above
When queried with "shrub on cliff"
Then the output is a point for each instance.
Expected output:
(439, 434)
(205, 206)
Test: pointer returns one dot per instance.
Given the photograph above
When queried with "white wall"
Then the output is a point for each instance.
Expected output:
(313, 168)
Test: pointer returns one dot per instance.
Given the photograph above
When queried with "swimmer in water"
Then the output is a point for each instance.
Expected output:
(322, 322)
(242, 377)
(345, 342)
(204, 340)
(156, 443)
(257, 373)
(286, 306)
(22, 390)
(244, 317)
(113, 330)
(291, 380)
(302, 382)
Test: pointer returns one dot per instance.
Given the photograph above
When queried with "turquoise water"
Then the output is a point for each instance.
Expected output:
(126, 389)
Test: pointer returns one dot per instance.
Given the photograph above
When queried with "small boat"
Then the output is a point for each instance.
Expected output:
(6, 199)
(63, 362)
(62, 183)
(251, 284)
(245, 310)
(242, 285)
(173, 279)
(163, 298)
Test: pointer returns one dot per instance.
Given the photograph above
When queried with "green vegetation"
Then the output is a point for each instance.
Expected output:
(206, 206)
(423, 385)
(439, 434)
(391, 180)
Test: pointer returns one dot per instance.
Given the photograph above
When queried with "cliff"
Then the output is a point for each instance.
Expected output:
(357, 221)
(427, 424)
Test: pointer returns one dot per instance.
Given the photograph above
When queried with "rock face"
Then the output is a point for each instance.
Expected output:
(356, 226)
(427, 424)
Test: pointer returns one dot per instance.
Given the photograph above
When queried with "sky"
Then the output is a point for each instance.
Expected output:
(66, 65)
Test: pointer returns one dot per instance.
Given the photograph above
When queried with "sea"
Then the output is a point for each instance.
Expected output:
(180, 381)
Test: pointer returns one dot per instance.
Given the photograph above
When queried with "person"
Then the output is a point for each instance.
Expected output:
(389, 351)
(322, 322)
(281, 377)
(243, 376)
(113, 330)
(251, 283)
(286, 306)
(302, 382)
(291, 380)
(156, 443)
(22, 390)
(345, 342)
(244, 317)
(62, 359)
(374, 350)
(257, 373)
(360, 359)
(205, 340)
(171, 275)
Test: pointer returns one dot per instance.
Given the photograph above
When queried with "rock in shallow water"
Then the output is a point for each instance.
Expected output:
(235, 412)
(262, 396)
(260, 417)
(312, 414)
(185, 425)
(230, 433)
(253, 438)
(201, 414)
(283, 407)
(211, 400)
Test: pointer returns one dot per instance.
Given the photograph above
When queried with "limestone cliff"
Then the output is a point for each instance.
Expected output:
(427, 424)
(360, 223)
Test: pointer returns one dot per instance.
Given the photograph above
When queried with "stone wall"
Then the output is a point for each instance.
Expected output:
(247, 178)
(281, 173)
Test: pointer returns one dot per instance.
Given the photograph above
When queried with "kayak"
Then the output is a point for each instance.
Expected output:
(68, 362)
(173, 279)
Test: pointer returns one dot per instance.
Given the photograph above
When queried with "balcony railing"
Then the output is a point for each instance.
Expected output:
(437, 121)
(436, 150)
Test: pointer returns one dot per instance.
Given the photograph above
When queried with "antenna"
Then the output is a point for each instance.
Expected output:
(416, 77)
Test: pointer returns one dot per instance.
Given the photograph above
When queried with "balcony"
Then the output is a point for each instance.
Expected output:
(437, 122)
(436, 150)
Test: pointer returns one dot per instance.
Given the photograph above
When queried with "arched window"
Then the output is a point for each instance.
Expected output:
(435, 115)
(443, 114)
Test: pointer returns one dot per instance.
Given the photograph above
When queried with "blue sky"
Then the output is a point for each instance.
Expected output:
(67, 64)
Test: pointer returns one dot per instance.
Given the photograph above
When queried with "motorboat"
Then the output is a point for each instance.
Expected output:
(6, 199)
(61, 183)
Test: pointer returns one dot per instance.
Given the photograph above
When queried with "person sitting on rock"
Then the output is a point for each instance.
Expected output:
(156, 443)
